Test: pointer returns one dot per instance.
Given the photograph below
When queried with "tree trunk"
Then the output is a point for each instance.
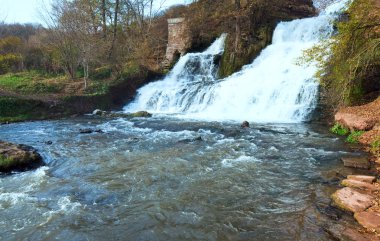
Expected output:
(104, 20)
(114, 29)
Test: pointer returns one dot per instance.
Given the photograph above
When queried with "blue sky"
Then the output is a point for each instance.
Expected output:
(27, 11)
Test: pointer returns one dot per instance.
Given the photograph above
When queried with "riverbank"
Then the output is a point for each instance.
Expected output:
(360, 195)
(17, 104)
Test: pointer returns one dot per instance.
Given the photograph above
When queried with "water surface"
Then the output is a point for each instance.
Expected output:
(170, 179)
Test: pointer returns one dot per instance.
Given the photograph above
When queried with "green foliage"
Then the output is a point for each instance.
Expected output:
(347, 62)
(131, 69)
(375, 146)
(14, 109)
(339, 130)
(353, 137)
(101, 73)
(9, 61)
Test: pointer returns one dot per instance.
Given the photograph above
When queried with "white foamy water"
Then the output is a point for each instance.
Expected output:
(271, 89)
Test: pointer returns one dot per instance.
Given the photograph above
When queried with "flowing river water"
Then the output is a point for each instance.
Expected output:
(170, 179)
(190, 172)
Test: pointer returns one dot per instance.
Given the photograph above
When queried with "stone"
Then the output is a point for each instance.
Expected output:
(343, 233)
(369, 220)
(14, 157)
(356, 162)
(360, 185)
(97, 112)
(245, 124)
(89, 131)
(355, 122)
(141, 114)
(362, 178)
(351, 200)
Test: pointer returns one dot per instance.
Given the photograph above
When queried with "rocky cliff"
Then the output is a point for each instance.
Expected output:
(249, 24)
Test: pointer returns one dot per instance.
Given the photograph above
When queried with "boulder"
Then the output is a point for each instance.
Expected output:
(356, 162)
(111, 114)
(245, 124)
(369, 220)
(355, 122)
(141, 114)
(351, 200)
(89, 131)
(362, 178)
(14, 157)
(98, 112)
(360, 185)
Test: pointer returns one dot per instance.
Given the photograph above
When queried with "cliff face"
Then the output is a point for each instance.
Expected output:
(249, 24)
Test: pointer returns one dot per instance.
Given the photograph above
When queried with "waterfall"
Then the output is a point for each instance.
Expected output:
(271, 89)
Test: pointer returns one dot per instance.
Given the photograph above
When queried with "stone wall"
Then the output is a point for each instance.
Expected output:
(178, 39)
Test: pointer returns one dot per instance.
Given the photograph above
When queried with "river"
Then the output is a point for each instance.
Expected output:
(164, 178)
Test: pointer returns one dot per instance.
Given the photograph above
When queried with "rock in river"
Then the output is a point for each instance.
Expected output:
(15, 157)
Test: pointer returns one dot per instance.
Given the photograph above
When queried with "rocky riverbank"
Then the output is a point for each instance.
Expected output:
(360, 194)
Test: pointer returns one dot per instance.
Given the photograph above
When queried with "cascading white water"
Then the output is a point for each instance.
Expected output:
(271, 89)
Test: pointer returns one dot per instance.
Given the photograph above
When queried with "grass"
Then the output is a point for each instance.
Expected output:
(31, 82)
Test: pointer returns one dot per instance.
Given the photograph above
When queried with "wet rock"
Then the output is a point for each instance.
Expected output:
(110, 114)
(369, 220)
(141, 114)
(350, 200)
(245, 124)
(362, 178)
(15, 157)
(89, 131)
(360, 185)
(160, 217)
(48, 142)
(199, 138)
(342, 233)
(356, 162)
(98, 112)
(331, 212)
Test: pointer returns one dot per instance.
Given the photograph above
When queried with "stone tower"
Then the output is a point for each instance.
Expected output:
(178, 40)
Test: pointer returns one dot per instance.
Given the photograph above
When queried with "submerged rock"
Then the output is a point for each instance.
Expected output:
(369, 220)
(15, 157)
(356, 162)
(351, 200)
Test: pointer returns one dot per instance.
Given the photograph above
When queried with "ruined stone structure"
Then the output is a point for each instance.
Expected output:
(178, 40)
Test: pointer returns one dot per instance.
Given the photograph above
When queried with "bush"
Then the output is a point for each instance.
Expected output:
(375, 146)
(339, 130)
(101, 73)
(353, 137)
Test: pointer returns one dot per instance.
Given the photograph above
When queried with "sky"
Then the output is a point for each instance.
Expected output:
(27, 11)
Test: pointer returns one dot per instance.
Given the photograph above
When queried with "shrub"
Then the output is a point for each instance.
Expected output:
(339, 130)
(375, 146)
(353, 137)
